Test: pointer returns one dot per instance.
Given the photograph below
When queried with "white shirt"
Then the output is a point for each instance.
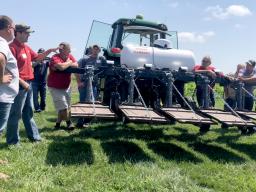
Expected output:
(9, 91)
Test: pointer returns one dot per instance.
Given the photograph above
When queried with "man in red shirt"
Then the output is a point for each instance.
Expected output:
(207, 69)
(23, 103)
(59, 84)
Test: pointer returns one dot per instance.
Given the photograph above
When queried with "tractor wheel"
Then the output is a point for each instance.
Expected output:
(124, 120)
(243, 129)
(114, 101)
(224, 126)
(204, 128)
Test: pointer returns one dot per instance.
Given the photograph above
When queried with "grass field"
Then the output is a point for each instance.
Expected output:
(110, 156)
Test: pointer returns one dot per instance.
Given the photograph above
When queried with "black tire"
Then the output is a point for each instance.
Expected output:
(243, 129)
(224, 126)
(124, 120)
(204, 128)
(114, 101)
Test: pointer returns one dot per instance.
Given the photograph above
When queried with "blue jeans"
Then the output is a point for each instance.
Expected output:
(22, 108)
(200, 99)
(39, 89)
(4, 114)
(248, 103)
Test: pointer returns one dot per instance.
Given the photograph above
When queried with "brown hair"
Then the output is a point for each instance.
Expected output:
(65, 45)
(96, 46)
(5, 21)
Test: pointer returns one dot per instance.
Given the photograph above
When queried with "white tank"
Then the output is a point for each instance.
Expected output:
(135, 57)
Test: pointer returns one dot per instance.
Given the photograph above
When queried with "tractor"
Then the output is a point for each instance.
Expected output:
(143, 77)
(137, 44)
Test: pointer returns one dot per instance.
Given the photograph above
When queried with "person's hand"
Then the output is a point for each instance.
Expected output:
(69, 61)
(241, 78)
(7, 78)
(230, 78)
(212, 74)
(25, 85)
(75, 64)
(54, 49)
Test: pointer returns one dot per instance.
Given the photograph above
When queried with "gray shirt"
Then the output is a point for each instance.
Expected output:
(249, 87)
(9, 91)
(92, 61)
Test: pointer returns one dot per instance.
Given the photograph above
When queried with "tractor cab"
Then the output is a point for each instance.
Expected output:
(123, 32)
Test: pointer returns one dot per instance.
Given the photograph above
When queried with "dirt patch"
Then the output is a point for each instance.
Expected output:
(2, 162)
(4, 176)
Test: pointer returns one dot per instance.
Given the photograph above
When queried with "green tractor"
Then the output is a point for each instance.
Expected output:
(125, 31)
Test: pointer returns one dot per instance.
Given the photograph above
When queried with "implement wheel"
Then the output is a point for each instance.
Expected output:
(204, 128)
(243, 129)
(224, 126)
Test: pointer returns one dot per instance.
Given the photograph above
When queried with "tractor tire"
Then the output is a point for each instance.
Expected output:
(204, 128)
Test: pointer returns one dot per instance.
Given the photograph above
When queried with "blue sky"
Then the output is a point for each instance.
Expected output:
(223, 29)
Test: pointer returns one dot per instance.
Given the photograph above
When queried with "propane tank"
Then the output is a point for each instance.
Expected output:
(135, 57)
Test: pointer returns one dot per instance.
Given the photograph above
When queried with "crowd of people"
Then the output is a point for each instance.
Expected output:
(24, 77)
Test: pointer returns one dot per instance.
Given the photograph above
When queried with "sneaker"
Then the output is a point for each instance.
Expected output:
(38, 110)
(70, 126)
(79, 125)
(57, 126)
(36, 140)
(251, 130)
(86, 125)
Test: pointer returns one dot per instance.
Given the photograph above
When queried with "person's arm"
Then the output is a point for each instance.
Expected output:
(23, 84)
(4, 78)
(42, 56)
(65, 65)
(62, 66)
(208, 72)
(79, 82)
(248, 79)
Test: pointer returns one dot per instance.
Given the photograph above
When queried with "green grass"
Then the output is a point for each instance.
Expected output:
(110, 156)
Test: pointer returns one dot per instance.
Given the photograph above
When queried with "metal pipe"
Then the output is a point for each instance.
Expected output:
(169, 93)
(239, 96)
(131, 87)
(205, 85)
(142, 100)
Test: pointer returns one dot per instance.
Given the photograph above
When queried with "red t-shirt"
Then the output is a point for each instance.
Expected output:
(200, 67)
(24, 55)
(59, 80)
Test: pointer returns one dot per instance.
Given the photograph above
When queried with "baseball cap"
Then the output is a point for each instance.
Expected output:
(23, 28)
(251, 62)
(41, 50)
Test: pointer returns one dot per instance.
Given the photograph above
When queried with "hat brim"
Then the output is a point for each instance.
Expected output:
(30, 31)
(27, 30)
(248, 63)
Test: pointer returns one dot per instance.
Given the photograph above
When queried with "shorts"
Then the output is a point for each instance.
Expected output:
(61, 98)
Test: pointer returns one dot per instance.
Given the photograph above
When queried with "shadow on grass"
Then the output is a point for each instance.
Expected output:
(51, 119)
(113, 131)
(227, 138)
(217, 153)
(69, 153)
(122, 151)
(110, 131)
(47, 129)
(248, 149)
(180, 129)
(171, 151)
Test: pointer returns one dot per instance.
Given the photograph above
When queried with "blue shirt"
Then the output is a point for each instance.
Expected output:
(40, 70)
